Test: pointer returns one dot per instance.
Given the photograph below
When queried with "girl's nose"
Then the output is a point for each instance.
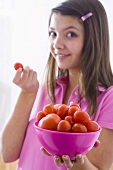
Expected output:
(58, 43)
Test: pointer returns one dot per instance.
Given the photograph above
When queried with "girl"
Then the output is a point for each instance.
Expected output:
(78, 70)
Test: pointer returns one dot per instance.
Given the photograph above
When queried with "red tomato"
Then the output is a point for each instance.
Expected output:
(81, 117)
(56, 106)
(64, 126)
(18, 65)
(74, 104)
(92, 126)
(49, 108)
(78, 127)
(40, 115)
(72, 110)
(62, 111)
(49, 122)
(69, 119)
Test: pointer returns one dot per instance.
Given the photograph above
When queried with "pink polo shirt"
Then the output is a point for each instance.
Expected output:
(31, 158)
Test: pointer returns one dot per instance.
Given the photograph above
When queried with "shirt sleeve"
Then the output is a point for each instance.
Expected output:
(104, 114)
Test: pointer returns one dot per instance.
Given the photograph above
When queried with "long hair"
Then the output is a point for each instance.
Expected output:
(95, 59)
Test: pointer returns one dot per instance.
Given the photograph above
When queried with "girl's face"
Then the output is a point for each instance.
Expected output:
(66, 37)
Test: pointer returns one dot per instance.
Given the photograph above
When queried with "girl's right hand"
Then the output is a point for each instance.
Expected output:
(26, 80)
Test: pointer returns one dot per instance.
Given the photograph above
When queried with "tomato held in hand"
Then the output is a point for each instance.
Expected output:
(81, 117)
(92, 126)
(18, 65)
(64, 126)
(49, 122)
(79, 128)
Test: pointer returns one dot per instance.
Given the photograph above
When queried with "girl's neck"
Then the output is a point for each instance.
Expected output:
(73, 79)
(73, 82)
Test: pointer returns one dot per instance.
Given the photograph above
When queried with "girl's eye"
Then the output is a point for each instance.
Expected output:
(52, 34)
(71, 34)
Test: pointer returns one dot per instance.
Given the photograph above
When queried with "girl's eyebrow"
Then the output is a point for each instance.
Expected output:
(70, 27)
(51, 28)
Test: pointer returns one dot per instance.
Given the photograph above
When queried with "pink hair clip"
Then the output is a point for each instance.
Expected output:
(83, 18)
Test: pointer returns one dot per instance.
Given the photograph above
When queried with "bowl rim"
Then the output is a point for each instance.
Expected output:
(58, 132)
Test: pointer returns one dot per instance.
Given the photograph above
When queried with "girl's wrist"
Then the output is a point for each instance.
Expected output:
(29, 93)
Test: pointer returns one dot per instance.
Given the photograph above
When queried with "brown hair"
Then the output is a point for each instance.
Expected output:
(95, 60)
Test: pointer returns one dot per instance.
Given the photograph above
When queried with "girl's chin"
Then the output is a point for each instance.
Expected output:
(63, 67)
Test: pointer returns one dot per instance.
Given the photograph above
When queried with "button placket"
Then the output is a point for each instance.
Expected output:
(73, 97)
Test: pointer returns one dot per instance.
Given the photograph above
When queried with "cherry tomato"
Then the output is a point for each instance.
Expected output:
(81, 117)
(18, 65)
(40, 115)
(72, 110)
(49, 122)
(92, 126)
(56, 106)
(69, 119)
(62, 111)
(64, 126)
(74, 104)
(49, 108)
(79, 128)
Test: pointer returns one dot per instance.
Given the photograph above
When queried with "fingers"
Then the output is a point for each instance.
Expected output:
(80, 159)
(26, 80)
(26, 73)
(58, 160)
(67, 161)
(21, 76)
(44, 151)
(17, 77)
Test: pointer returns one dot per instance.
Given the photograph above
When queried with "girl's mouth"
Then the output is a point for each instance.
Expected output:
(62, 56)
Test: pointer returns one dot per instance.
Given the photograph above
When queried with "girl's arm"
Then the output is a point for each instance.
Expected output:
(14, 132)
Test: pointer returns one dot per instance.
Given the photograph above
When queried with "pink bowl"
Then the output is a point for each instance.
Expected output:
(61, 143)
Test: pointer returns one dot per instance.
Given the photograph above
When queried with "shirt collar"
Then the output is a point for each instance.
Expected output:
(64, 81)
(101, 88)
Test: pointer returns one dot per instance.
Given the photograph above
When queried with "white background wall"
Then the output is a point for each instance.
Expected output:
(24, 38)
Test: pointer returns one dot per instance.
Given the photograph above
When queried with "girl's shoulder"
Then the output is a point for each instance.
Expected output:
(109, 91)
(104, 112)
(105, 95)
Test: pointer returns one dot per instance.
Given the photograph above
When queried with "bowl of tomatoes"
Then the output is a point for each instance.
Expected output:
(66, 130)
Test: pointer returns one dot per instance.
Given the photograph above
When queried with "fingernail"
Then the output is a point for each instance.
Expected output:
(27, 68)
(65, 157)
(79, 156)
(56, 158)
(41, 148)
(19, 70)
